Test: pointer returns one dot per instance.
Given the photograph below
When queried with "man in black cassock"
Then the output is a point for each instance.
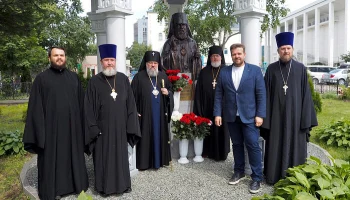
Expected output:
(111, 123)
(290, 112)
(154, 100)
(54, 129)
(216, 145)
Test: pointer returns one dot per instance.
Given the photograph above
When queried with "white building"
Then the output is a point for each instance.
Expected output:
(148, 30)
(321, 32)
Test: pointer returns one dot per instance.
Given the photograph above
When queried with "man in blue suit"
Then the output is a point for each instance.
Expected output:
(241, 95)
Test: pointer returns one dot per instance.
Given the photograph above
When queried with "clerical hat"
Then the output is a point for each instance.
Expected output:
(151, 56)
(215, 50)
(284, 38)
(108, 51)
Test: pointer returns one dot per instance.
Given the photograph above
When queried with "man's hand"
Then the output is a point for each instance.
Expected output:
(164, 91)
(218, 121)
(258, 121)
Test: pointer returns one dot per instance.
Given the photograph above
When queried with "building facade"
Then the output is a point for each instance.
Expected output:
(321, 33)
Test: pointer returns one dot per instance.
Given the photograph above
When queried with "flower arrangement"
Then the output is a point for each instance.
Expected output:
(190, 126)
(178, 82)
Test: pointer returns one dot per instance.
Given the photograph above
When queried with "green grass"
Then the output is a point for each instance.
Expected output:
(11, 166)
(331, 110)
(11, 117)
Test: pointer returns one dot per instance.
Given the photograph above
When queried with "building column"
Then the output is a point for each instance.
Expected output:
(115, 29)
(101, 39)
(331, 34)
(175, 6)
(317, 37)
(295, 31)
(278, 29)
(286, 26)
(305, 25)
(347, 26)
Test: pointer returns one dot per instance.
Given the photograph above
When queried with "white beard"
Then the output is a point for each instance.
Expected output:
(109, 72)
(152, 73)
(216, 64)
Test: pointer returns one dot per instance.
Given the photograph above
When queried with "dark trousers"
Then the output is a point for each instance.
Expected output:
(247, 134)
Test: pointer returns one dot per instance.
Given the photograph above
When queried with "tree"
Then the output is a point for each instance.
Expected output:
(211, 21)
(136, 52)
(346, 57)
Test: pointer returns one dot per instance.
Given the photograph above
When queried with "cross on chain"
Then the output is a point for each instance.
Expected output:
(285, 87)
(214, 83)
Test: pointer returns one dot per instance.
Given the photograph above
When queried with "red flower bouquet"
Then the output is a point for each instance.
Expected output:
(178, 82)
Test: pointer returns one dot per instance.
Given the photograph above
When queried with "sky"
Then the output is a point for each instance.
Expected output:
(139, 7)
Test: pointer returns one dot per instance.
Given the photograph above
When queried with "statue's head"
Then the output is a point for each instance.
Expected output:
(179, 26)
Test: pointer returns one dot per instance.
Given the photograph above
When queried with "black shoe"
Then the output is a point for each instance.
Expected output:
(254, 187)
(236, 177)
(128, 190)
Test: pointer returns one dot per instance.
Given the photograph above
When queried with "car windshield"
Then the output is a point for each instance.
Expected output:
(334, 71)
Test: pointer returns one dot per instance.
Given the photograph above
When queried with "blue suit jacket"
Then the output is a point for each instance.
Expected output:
(249, 99)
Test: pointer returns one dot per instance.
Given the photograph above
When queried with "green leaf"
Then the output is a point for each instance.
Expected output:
(323, 183)
(325, 194)
(304, 196)
(16, 149)
(317, 160)
(310, 169)
(302, 179)
(337, 191)
(340, 143)
(2, 152)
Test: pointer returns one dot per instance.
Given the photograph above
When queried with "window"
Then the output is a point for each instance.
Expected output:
(313, 69)
(160, 36)
(225, 51)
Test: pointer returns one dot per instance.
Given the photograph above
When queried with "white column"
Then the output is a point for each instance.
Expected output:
(101, 39)
(115, 29)
(278, 29)
(250, 33)
(347, 26)
(305, 24)
(286, 26)
(331, 33)
(267, 47)
(295, 31)
(317, 37)
(273, 48)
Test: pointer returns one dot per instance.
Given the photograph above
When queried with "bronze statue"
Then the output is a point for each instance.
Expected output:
(180, 51)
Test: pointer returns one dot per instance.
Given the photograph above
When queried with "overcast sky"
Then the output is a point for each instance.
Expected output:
(139, 7)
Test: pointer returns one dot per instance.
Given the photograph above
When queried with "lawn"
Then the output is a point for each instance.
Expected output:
(11, 166)
(332, 110)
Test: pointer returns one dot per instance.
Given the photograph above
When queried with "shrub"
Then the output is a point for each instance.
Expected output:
(329, 96)
(314, 180)
(11, 143)
(337, 133)
(345, 93)
(315, 95)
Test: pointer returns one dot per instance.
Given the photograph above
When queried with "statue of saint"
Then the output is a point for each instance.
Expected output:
(180, 51)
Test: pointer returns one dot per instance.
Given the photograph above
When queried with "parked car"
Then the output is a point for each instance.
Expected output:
(317, 72)
(344, 66)
(337, 75)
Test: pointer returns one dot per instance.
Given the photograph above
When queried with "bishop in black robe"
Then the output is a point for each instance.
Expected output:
(290, 115)
(111, 123)
(153, 150)
(54, 131)
(216, 145)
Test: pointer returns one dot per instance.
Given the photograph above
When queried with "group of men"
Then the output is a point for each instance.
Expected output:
(63, 121)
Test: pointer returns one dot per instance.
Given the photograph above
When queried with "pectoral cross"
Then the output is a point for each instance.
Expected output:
(285, 87)
(114, 94)
(214, 83)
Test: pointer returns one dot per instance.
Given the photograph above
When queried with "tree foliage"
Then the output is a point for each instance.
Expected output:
(28, 28)
(136, 52)
(346, 57)
(211, 21)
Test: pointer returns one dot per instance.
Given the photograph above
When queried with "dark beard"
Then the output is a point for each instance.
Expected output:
(58, 66)
(181, 35)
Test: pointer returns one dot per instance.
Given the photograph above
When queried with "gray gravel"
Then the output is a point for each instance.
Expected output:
(206, 180)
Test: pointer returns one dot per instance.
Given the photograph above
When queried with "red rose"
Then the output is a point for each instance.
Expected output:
(190, 82)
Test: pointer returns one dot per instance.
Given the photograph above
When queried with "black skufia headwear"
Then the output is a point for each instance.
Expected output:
(150, 56)
(216, 50)
(178, 18)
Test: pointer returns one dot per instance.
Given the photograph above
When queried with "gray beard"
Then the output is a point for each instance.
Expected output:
(109, 72)
(152, 73)
(216, 64)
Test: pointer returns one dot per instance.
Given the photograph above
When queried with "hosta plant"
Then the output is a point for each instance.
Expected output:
(313, 180)
(11, 143)
(337, 134)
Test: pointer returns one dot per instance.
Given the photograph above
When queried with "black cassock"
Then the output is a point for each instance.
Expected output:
(217, 145)
(142, 88)
(54, 131)
(118, 124)
(289, 119)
